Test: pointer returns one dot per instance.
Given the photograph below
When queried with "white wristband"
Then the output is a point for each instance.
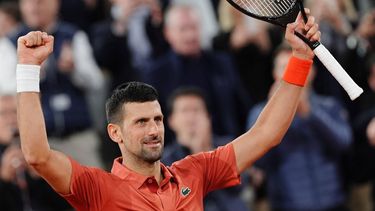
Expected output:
(27, 78)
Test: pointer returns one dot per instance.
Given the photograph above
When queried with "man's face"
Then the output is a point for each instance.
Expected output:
(39, 13)
(143, 131)
(188, 116)
(8, 118)
(183, 33)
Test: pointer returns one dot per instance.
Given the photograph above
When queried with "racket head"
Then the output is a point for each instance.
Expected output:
(278, 12)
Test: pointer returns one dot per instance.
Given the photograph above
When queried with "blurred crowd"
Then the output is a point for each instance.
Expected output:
(214, 69)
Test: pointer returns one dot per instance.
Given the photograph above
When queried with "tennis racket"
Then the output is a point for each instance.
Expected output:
(282, 12)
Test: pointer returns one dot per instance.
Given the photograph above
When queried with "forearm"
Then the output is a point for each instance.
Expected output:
(270, 126)
(31, 124)
(276, 117)
(278, 114)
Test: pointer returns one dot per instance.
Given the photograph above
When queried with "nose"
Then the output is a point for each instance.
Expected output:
(154, 128)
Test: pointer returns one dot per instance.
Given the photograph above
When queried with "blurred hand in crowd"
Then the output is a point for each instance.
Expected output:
(249, 31)
(331, 12)
(122, 10)
(370, 132)
(66, 59)
(366, 28)
(257, 176)
(156, 13)
(371, 77)
(12, 162)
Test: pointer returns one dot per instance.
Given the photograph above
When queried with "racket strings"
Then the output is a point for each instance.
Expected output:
(266, 8)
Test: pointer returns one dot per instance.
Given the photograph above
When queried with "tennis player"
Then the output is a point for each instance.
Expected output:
(138, 180)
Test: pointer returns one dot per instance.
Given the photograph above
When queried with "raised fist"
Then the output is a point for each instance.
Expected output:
(34, 48)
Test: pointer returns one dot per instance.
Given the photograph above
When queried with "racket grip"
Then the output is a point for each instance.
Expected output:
(338, 72)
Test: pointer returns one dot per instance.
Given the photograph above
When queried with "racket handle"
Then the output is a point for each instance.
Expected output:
(338, 72)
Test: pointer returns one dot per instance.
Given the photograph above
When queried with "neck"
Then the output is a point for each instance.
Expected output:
(202, 144)
(144, 168)
(191, 55)
(49, 27)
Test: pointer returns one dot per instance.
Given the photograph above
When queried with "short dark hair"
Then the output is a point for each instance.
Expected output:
(130, 92)
(187, 91)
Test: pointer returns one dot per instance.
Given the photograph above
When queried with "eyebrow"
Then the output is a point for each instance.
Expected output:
(142, 118)
(147, 118)
(159, 116)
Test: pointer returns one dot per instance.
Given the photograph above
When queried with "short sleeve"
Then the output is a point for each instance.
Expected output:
(217, 168)
(87, 187)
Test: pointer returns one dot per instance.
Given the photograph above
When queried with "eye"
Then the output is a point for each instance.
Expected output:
(141, 122)
(158, 119)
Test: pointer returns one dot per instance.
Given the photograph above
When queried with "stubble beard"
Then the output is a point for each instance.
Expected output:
(152, 155)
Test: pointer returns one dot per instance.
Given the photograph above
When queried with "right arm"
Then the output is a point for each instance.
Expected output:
(53, 166)
(276, 117)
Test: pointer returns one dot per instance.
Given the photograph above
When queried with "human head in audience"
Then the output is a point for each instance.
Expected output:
(40, 14)
(189, 118)
(182, 30)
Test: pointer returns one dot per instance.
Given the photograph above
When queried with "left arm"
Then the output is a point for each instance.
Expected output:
(276, 117)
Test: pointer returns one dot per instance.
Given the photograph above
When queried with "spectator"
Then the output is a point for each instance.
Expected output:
(252, 43)
(187, 65)
(208, 26)
(362, 170)
(303, 172)
(115, 40)
(9, 22)
(70, 75)
(20, 187)
(189, 118)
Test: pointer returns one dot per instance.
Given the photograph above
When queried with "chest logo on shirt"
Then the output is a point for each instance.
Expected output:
(185, 191)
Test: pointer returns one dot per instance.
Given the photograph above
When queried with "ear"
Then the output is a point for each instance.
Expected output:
(114, 132)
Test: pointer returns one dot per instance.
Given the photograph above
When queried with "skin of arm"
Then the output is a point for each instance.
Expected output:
(278, 114)
(53, 166)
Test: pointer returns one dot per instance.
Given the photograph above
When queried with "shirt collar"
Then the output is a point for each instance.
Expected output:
(138, 179)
